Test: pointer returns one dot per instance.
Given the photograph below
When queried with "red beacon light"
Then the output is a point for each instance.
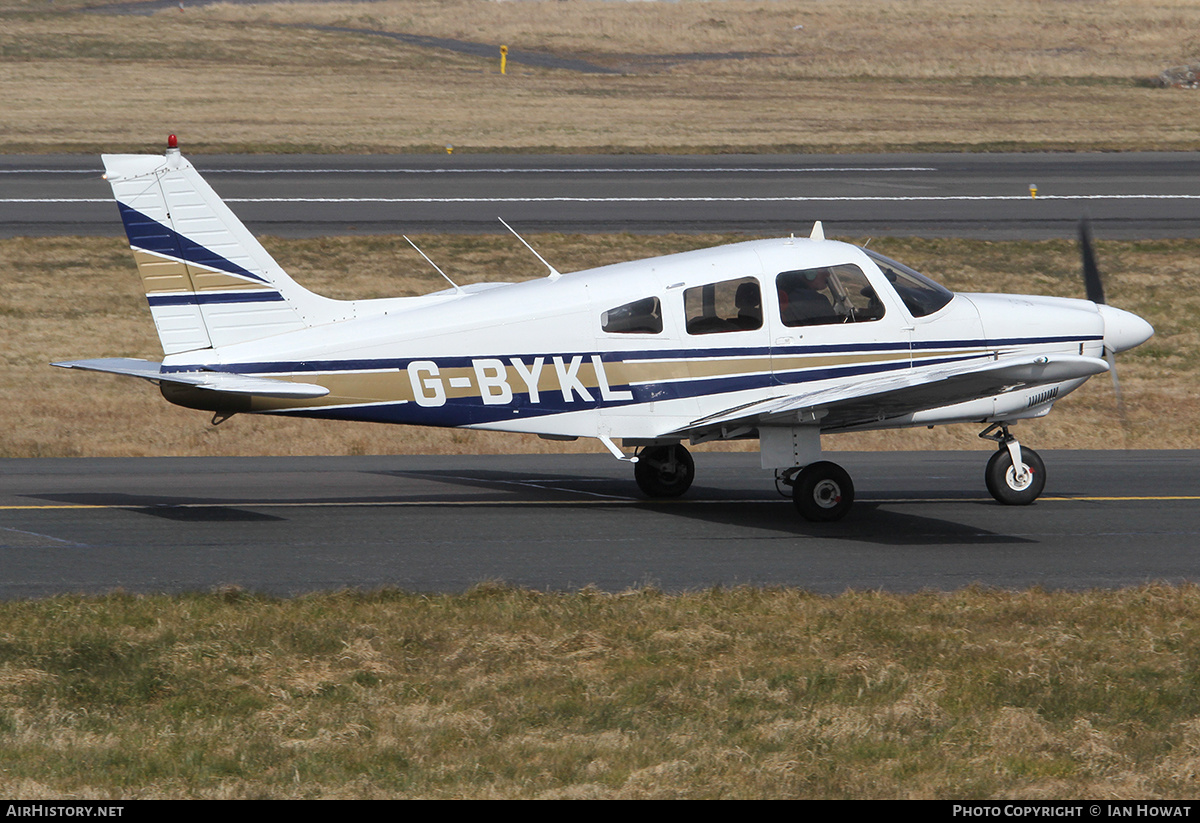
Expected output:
(172, 142)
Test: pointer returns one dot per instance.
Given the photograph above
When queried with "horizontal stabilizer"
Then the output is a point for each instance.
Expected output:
(209, 380)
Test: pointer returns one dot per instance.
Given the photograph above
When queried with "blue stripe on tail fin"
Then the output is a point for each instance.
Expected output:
(152, 236)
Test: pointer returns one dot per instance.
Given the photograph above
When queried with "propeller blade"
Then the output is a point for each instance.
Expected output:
(1112, 369)
(1095, 292)
(1091, 271)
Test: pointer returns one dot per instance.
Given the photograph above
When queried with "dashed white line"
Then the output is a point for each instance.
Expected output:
(744, 170)
(43, 536)
(793, 199)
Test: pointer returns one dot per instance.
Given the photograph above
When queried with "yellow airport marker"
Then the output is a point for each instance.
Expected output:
(1033, 190)
(504, 59)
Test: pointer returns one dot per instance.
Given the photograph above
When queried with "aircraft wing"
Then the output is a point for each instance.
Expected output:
(855, 402)
(211, 380)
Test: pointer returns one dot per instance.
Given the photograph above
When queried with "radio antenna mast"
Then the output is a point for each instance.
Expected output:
(457, 289)
(554, 273)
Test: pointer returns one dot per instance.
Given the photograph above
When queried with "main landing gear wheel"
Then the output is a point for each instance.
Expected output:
(823, 492)
(1013, 488)
(664, 471)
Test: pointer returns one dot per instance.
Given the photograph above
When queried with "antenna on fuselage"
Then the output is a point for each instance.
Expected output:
(457, 289)
(554, 273)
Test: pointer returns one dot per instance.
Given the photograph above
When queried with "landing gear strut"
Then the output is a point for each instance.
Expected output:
(1015, 475)
(664, 471)
(822, 492)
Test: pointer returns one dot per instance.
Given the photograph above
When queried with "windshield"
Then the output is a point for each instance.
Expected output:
(921, 295)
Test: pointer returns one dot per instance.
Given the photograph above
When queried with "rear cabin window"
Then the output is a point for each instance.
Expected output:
(732, 305)
(639, 317)
(826, 295)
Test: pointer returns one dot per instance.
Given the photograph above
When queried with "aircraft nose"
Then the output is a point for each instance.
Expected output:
(1123, 329)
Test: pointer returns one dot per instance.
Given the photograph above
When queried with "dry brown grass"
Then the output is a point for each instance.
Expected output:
(868, 75)
(868, 38)
(69, 298)
(742, 693)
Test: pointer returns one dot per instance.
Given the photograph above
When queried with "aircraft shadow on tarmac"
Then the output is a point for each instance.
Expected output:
(191, 510)
(871, 522)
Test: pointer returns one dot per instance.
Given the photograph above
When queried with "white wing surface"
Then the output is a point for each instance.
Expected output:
(897, 394)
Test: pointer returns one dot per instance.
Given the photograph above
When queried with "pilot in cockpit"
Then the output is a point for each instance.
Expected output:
(801, 301)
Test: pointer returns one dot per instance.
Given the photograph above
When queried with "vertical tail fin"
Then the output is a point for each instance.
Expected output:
(208, 281)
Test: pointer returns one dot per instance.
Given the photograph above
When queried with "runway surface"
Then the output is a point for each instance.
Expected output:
(1127, 195)
(441, 524)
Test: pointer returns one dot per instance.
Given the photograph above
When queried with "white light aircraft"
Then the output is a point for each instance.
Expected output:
(780, 340)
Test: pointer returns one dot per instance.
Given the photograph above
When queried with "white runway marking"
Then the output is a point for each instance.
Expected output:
(796, 199)
(745, 170)
(790, 199)
(43, 536)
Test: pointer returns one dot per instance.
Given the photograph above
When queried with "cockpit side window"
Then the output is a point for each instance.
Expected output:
(639, 317)
(921, 296)
(826, 295)
(731, 305)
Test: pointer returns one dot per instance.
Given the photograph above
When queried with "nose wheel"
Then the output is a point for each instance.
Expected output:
(1012, 486)
(1015, 475)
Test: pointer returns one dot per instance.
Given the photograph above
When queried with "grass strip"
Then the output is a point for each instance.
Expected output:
(958, 75)
(502, 692)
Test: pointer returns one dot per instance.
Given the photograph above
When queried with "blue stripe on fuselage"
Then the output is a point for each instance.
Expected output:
(468, 411)
(391, 363)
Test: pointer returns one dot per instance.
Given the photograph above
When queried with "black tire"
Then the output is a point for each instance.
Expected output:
(664, 471)
(1002, 480)
(823, 492)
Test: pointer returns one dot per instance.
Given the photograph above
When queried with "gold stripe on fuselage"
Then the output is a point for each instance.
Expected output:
(396, 385)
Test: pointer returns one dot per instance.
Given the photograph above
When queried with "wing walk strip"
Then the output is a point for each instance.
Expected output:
(587, 501)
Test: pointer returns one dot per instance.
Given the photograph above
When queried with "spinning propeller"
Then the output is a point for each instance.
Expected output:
(1122, 330)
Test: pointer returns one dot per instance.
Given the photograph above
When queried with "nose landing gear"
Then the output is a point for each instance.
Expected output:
(1015, 476)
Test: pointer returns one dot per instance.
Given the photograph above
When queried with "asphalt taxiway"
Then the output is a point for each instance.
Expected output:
(442, 524)
(1127, 195)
